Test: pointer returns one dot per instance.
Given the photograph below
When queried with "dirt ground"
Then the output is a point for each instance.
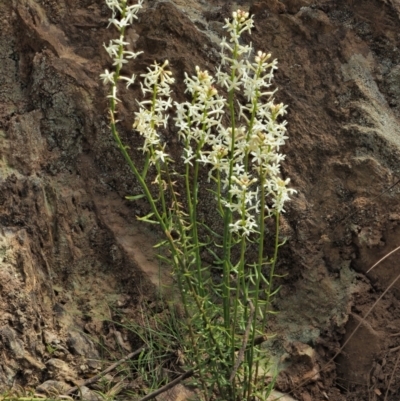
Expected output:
(73, 256)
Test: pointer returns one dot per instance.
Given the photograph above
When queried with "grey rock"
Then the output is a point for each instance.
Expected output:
(393, 81)
(82, 346)
(9, 337)
(7, 375)
(89, 395)
(58, 369)
(50, 337)
(52, 387)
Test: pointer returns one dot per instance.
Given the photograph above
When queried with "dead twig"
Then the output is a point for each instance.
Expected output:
(394, 349)
(97, 377)
(381, 260)
(391, 376)
(168, 386)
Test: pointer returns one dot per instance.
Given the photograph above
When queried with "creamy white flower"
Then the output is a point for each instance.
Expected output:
(119, 62)
(160, 154)
(113, 94)
(111, 49)
(282, 194)
(107, 77)
(244, 227)
(120, 41)
(113, 4)
(130, 80)
(119, 24)
(188, 155)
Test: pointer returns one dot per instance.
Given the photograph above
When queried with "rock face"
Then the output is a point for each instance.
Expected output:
(69, 242)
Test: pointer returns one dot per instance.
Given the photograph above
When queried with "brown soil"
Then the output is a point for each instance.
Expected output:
(71, 250)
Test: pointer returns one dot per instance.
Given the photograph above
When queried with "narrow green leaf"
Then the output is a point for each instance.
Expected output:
(160, 244)
(217, 261)
(135, 197)
(164, 259)
(275, 292)
(211, 231)
(147, 219)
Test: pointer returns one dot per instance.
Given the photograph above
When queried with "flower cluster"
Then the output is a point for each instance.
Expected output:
(244, 159)
(152, 113)
(128, 13)
(116, 48)
(197, 119)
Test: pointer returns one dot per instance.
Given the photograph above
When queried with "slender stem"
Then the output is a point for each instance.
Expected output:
(219, 194)
(153, 105)
(259, 273)
(197, 356)
(227, 241)
(274, 260)
(241, 288)
(252, 118)
(160, 182)
(193, 213)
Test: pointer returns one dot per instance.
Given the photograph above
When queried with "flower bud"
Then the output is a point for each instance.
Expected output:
(262, 57)
(212, 91)
(275, 109)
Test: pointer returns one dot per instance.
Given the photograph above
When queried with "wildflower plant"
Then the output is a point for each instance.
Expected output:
(233, 131)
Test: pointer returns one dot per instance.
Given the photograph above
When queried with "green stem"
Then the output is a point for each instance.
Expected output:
(161, 189)
(240, 287)
(258, 268)
(193, 213)
(219, 195)
(274, 260)
(269, 291)
(227, 241)
(153, 105)
(250, 127)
